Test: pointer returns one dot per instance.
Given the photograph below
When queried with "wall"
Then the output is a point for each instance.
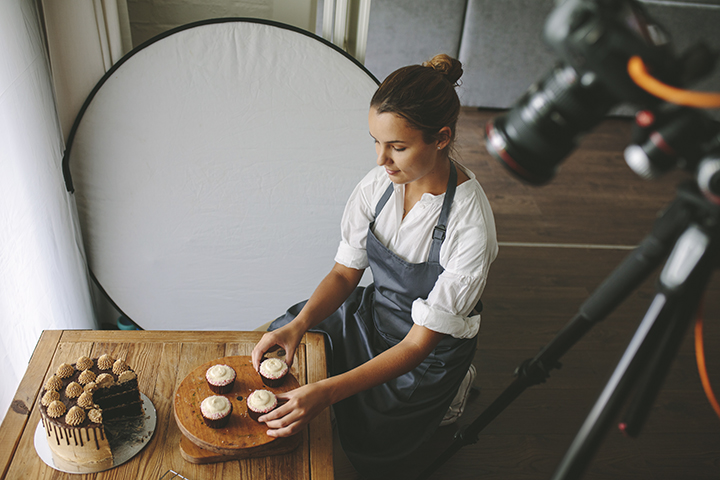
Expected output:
(152, 17)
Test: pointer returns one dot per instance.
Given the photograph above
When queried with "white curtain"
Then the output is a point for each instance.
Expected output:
(43, 273)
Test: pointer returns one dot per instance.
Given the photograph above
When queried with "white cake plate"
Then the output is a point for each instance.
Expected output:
(124, 446)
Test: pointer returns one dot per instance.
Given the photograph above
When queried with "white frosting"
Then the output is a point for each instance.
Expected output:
(273, 368)
(215, 406)
(220, 374)
(262, 400)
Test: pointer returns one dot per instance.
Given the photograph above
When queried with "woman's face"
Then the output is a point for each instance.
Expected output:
(402, 150)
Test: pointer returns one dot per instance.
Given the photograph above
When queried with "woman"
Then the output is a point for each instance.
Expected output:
(400, 347)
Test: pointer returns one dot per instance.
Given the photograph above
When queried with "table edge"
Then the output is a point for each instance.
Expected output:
(23, 403)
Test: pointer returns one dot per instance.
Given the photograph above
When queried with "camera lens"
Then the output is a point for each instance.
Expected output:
(545, 124)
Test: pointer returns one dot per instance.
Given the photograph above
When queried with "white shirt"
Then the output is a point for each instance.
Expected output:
(469, 248)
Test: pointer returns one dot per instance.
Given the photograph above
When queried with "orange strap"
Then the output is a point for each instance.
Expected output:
(638, 72)
(700, 357)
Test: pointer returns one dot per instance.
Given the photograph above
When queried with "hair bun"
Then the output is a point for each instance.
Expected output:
(447, 66)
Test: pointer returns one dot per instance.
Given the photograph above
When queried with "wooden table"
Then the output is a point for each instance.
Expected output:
(163, 359)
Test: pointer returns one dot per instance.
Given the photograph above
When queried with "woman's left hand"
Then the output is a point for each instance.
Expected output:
(300, 406)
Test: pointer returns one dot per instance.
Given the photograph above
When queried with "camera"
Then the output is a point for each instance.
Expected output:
(595, 40)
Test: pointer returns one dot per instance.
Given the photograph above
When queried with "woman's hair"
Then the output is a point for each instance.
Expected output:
(424, 95)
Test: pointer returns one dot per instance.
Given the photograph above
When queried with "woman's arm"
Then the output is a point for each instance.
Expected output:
(304, 403)
(333, 290)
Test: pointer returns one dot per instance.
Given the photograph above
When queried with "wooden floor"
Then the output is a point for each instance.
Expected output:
(558, 243)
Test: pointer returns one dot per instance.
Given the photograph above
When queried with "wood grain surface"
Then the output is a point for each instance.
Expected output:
(242, 436)
(163, 360)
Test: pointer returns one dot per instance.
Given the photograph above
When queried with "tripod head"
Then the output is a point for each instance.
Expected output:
(596, 41)
(673, 136)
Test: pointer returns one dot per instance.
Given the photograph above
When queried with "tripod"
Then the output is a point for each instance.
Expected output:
(686, 234)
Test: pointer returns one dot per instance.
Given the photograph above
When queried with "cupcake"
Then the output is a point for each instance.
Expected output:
(260, 402)
(273, 371)
(220, 378)
(216, 411)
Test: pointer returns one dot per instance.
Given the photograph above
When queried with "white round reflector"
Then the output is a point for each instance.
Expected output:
(211, 166)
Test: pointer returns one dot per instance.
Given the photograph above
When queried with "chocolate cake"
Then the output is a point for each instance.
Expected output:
(77, 405)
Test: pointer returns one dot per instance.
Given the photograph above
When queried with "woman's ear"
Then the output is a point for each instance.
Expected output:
(444, 136)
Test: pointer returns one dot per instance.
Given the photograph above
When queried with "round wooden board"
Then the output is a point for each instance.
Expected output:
(241, 432)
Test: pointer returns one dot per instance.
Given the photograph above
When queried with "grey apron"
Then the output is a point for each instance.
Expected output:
(381, 426)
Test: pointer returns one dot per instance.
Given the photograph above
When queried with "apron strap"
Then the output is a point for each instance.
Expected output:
(441, 226)
(384, 199)
(438, 235)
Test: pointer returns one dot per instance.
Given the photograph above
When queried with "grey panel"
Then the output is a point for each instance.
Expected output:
(502, 50)
(405, 32)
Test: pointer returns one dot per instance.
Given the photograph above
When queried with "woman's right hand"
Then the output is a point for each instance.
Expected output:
(287, 337)
(327, 297)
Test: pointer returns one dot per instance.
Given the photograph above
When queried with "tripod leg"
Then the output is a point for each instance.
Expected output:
(633, 270)
(683, 280)
(468, 434)
(654, 375)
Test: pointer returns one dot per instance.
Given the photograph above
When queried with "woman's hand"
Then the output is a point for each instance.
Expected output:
(287, 338)
(334, 289)
(306, 402)
(300, 407)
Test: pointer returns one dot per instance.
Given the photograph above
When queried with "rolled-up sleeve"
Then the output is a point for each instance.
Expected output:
(449, 306)
(351, 257)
